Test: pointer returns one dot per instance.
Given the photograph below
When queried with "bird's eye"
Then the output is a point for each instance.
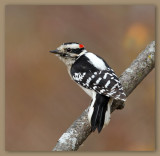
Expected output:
(68, 49)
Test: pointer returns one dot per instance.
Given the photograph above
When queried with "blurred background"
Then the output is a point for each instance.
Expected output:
(42, 101)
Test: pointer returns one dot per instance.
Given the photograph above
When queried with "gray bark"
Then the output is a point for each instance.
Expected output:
(78, 132)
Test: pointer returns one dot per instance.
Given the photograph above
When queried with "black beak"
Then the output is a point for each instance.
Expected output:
(55, 51)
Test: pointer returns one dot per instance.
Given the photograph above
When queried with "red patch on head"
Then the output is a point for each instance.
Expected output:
(81, 46)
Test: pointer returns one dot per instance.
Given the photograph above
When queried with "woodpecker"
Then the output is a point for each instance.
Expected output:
(95, 77)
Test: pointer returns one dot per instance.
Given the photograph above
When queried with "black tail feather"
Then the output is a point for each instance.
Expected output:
(98, 116)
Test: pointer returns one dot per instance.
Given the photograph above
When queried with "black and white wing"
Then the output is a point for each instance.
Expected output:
(104, 82)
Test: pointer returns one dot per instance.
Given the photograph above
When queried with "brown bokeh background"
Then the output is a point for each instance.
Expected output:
(42, 101)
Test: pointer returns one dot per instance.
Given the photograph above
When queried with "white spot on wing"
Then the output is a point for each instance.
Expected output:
(99, 79)
(102, 90)
(78, 76)
(88, 81)
(105, 76)
(114, 86)
(107, 84)
(94, 87)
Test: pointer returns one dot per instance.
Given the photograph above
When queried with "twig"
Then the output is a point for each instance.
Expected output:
(77, 133)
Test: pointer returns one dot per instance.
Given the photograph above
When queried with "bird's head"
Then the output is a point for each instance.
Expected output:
(70, 50)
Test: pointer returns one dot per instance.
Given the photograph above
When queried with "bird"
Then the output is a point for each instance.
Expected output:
(95, 77)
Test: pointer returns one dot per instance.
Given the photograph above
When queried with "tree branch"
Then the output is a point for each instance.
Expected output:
(77, 133)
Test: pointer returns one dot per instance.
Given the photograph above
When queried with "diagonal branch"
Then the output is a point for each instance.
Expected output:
(77, 133)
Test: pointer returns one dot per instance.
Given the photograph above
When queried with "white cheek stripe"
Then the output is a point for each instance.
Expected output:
(83, 52)
(95, 61)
